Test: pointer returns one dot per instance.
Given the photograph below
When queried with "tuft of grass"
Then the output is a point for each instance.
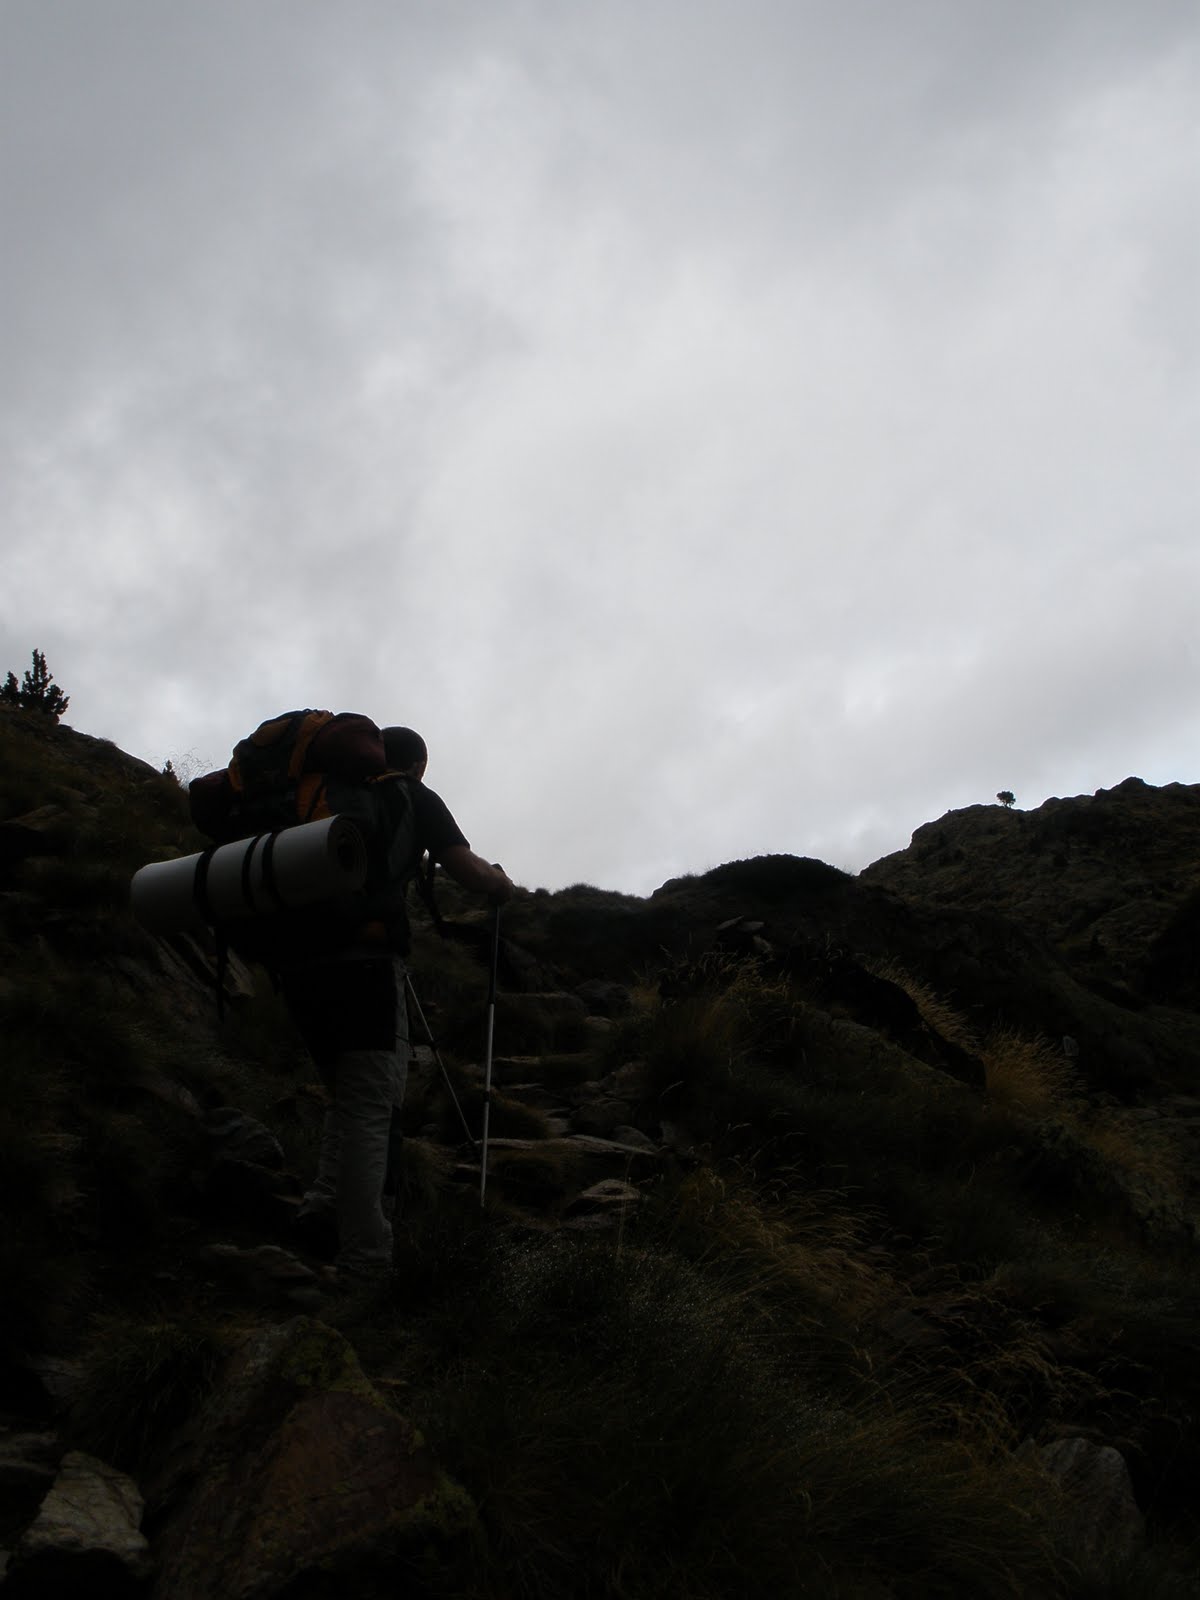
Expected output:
(508, 1119)
(421, 1181)
(1027, 1076)
(714, 1016)
(801, 1253)
(537, 1177)
(633, 1423)
(936, 1011)
(450, 981)
(143, 1382)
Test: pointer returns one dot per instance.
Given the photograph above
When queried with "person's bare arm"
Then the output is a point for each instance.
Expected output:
(473, 872)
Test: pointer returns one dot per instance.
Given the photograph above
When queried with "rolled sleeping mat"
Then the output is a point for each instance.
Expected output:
(295, 867)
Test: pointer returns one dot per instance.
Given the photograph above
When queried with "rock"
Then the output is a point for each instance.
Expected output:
(604, 998)
(192, 958)
(605, 1158)
(245, 1169)
(631, 1081)
(169, 1090)
(536, 1095)
(300, 1480)
(600, 1117)
(86, 1539)
(634, 1138)
(554, 1071)
(610, 1195)
(1104, 1518)
(268, 1274)
(238, 1137)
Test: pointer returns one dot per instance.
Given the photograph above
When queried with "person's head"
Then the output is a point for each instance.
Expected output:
(406, 751)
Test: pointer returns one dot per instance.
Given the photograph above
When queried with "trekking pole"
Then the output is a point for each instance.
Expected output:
(437, 1056)
(491, 1020)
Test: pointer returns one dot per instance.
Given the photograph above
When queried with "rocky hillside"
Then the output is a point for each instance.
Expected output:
(840, 1233)
(1110, 881)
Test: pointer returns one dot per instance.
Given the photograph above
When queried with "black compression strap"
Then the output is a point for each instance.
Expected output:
(200, 883)
(247, 892)
(204, 907)
(270, 884)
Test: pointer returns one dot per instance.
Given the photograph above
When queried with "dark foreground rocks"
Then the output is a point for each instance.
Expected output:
(296, 1473)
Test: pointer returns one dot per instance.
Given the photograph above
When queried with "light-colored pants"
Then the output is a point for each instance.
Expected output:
(367, 1085)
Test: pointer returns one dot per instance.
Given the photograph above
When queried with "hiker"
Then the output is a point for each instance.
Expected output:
(351, 1012)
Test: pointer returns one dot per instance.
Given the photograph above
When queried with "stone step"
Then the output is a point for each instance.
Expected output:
(553, 1071)
(606, 1158)
(537, 1095)
(608, 1196)
(564, 1166)
(602, 1208)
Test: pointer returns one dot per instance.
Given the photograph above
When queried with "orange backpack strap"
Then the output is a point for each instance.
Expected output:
(277, 752)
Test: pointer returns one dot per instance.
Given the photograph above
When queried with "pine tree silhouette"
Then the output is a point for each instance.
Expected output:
(37, 691)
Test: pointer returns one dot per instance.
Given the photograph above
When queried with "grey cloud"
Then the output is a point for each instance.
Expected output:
(719, 428)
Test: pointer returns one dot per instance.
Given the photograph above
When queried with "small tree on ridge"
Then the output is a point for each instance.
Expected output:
(37, 691)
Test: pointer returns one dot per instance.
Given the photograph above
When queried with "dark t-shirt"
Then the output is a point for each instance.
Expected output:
(437, 830)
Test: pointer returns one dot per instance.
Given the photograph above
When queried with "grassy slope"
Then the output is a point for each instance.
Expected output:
(807, 1368)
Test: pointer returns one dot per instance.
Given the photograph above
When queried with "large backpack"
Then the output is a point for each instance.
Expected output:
(299, 767)
(281, 773)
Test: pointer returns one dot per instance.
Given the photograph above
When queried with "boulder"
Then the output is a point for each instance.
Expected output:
(300, 1480)
(85, 1540)
(1097, 1494)
(244, 1177)
(604, 998)
(267, 1274)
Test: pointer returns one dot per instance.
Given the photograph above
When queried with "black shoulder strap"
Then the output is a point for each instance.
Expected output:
(425, 889)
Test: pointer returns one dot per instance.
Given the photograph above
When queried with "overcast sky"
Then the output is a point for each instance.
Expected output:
(720, 426)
